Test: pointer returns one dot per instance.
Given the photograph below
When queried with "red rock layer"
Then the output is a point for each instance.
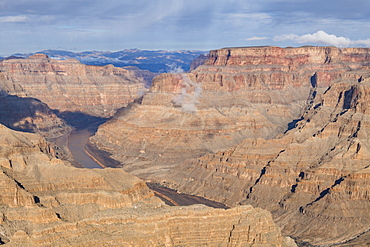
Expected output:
(314, 179)
(239, 93)
(68, 85)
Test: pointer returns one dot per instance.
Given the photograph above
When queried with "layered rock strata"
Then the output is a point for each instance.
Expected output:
(68, 85)
(238, 93)
(30, 115)
(45, 201)
(314, 179)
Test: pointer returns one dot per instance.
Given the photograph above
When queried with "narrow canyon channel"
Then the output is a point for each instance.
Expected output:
(77, 141)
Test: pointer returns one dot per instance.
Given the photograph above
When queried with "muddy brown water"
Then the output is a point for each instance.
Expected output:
(77, 141)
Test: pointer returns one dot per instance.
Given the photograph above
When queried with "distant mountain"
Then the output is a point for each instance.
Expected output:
(154, 61)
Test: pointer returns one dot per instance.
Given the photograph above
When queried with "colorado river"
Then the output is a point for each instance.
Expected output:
(77, 145)
(77, 141)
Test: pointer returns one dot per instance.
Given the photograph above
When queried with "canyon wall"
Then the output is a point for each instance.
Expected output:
(282, 129)
(30, 115)
(69, 86)
(314, 179)
(47, 202)
(238, 93)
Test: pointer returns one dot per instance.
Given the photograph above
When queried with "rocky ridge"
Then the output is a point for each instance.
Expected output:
(30, 115)
(296, 119)
(238, 93)
(92, 90)
(45, 201)
(313, 178)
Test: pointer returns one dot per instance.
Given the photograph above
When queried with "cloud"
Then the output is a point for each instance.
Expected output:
(14, 19)
(255, 38)
(190, 94)
(322, 37)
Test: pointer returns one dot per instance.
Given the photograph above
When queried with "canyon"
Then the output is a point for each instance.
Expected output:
(77, 88)
(276, 128)
(279, 135)
(46, 201)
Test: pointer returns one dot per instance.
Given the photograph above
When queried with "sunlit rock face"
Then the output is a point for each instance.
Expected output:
(68, 85)
(238, 93)
(282, 129)
(44, 201)
(314, 178)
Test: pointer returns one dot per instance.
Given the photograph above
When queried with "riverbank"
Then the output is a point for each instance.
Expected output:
(88, 156)
(77, 141)
(173, 198)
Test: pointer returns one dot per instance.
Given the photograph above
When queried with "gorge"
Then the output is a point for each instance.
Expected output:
(259, 129)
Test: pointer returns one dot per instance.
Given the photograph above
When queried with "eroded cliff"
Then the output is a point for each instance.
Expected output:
(314, 179)
(44, 201)
(68, 85)
(238, 93)
(296, 121)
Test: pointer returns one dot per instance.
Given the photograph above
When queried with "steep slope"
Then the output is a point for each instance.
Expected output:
(238, 93)
(47, 202)
(68, 85)
(315, 179)
(30, 115)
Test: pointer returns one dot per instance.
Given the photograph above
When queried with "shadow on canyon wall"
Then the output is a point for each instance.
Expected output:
(20, 113)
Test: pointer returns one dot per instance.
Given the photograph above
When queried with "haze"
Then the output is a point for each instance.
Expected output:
(76, 25)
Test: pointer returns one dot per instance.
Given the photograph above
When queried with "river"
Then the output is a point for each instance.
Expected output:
(77, 142)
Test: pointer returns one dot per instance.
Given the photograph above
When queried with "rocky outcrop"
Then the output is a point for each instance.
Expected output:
(238, 93)
(30, 115)
(165, 226)
(296, 121)
(313, 178)
(45, 201)
(92, 90)
(198, 61)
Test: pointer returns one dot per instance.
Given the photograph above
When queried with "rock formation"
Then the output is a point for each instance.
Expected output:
(92, 90)
(45, 201)
(296, 121)
(238, 93)
(313, 178)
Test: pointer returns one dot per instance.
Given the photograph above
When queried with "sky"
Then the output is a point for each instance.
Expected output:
(112, 25)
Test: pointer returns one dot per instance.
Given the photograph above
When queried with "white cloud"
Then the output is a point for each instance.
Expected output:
(12, 19)
(365, 42)
(322, 37)
(255, 38)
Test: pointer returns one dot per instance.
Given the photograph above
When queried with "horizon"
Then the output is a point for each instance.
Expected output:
(80, 25)
(158, 50)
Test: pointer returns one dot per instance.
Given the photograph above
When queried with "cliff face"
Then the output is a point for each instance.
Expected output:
(68, 85)
(238, 93)
(45, 201)
(30, 115)
(296, 121)
(313, 178)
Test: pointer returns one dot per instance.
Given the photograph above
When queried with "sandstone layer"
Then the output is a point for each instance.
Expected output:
(68, 85)
(44, 201)
(238, 93)
(30, 115)
(296, 121)
(314, 179)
